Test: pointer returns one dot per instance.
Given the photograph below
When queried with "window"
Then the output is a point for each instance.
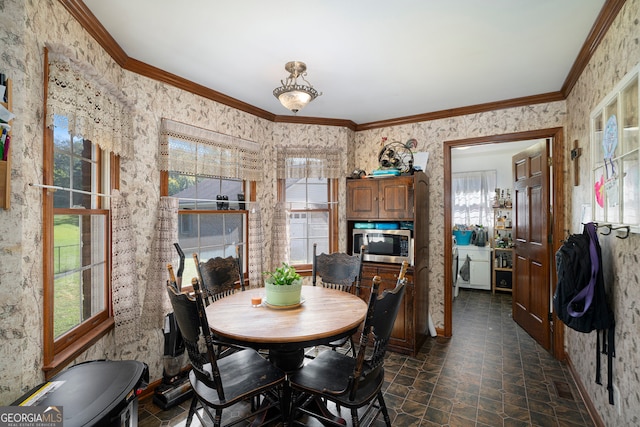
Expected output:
(76, 222)
(308, 208)
(213, 175)
(309, 217)
(615, 156)
(472, 195)
(212, 216)
(88, 126)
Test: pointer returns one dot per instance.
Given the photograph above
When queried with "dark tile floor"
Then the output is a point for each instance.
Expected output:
(490, 373)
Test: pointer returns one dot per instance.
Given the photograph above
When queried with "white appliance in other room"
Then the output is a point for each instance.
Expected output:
(479, 276)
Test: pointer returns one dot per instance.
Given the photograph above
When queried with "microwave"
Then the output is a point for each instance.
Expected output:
(392, 246)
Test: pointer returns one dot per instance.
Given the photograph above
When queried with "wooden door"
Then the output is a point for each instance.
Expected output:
(396, 198)
(531, 288)
(362, 199)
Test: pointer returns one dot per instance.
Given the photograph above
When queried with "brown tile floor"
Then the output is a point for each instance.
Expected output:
(490, 373)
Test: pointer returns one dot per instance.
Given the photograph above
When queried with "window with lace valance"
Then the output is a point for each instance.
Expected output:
(95, 109)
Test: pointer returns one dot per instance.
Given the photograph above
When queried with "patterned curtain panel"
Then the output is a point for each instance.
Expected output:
(156, 301)
(256, 243)
(96, 109)
(126, 310)
(192, 150)
(279, 236)
(304, 162)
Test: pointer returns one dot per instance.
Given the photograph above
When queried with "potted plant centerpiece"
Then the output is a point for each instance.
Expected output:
(283, 286)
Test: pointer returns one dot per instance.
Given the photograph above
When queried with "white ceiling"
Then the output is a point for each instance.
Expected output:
(372, 59)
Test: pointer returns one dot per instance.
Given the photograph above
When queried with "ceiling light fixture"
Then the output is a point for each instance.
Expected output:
(292, 95)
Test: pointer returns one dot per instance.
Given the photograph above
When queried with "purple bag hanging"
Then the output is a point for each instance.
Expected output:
(586, 294)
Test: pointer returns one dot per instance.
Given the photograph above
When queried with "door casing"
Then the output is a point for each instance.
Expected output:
(558, 206)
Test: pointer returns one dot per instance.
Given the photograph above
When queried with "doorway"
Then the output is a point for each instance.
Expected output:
(556, 201)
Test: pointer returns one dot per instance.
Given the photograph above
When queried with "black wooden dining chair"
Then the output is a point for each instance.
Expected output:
(243, 376)
(220, 276)
(350, 382)
(338, 271)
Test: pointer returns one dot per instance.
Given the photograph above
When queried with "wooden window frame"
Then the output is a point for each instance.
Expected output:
(332, 199)
(61, 351)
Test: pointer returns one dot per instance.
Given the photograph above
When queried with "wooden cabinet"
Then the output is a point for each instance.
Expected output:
(403, 337)
(388, 198)
(397, 199)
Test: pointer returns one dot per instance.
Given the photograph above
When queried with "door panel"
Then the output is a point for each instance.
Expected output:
(531, 290)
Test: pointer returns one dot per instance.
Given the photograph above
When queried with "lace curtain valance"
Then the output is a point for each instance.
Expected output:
(192, 150)
(96, 109)
(304, 162)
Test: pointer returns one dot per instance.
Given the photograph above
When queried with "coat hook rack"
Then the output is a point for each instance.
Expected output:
(623, 227)
(606, 226)
(611, 228)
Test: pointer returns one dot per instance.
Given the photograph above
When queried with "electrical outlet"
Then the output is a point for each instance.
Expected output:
(616, 399)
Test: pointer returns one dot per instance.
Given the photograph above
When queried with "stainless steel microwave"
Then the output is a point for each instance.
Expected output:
(393, 246)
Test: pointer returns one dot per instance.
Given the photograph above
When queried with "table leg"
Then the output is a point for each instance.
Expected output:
(287, 360)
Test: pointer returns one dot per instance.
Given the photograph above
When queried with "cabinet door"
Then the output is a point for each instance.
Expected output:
(402, 335)
(362, 199)
(396, 198)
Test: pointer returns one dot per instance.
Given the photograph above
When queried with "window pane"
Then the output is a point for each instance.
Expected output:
(62, 178)
(79, 269)
(307, 225)
(189, 188)
(210, 235)
(631, 182)
(306, 193)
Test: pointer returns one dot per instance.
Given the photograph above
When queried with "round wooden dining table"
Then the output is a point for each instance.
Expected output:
(323, 315)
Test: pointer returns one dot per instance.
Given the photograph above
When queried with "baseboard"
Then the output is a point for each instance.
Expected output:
(149, 390)
(595, 417)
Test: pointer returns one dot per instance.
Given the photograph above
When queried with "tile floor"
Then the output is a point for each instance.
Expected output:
(489, 374)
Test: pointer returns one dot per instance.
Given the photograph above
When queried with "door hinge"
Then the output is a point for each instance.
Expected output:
(550, 317)
(549, 161)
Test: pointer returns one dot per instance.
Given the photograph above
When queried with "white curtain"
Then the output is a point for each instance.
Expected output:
(256, 243)
(310, 162)
(279, 236)
(472, 194)
(156, 301)
(96, 109)
(196, 151)
(126, 310)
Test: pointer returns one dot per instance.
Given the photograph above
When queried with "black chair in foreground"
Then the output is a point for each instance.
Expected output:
(349, 382)
(338, 271)
(243, 376)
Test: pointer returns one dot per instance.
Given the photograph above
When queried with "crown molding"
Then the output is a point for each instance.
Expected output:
(157, 74)
(90, 23)
(316, 121)
(463, 111)
(598, 31)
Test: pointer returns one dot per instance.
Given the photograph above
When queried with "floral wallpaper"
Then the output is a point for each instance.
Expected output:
(617, 54)
(25, 26)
